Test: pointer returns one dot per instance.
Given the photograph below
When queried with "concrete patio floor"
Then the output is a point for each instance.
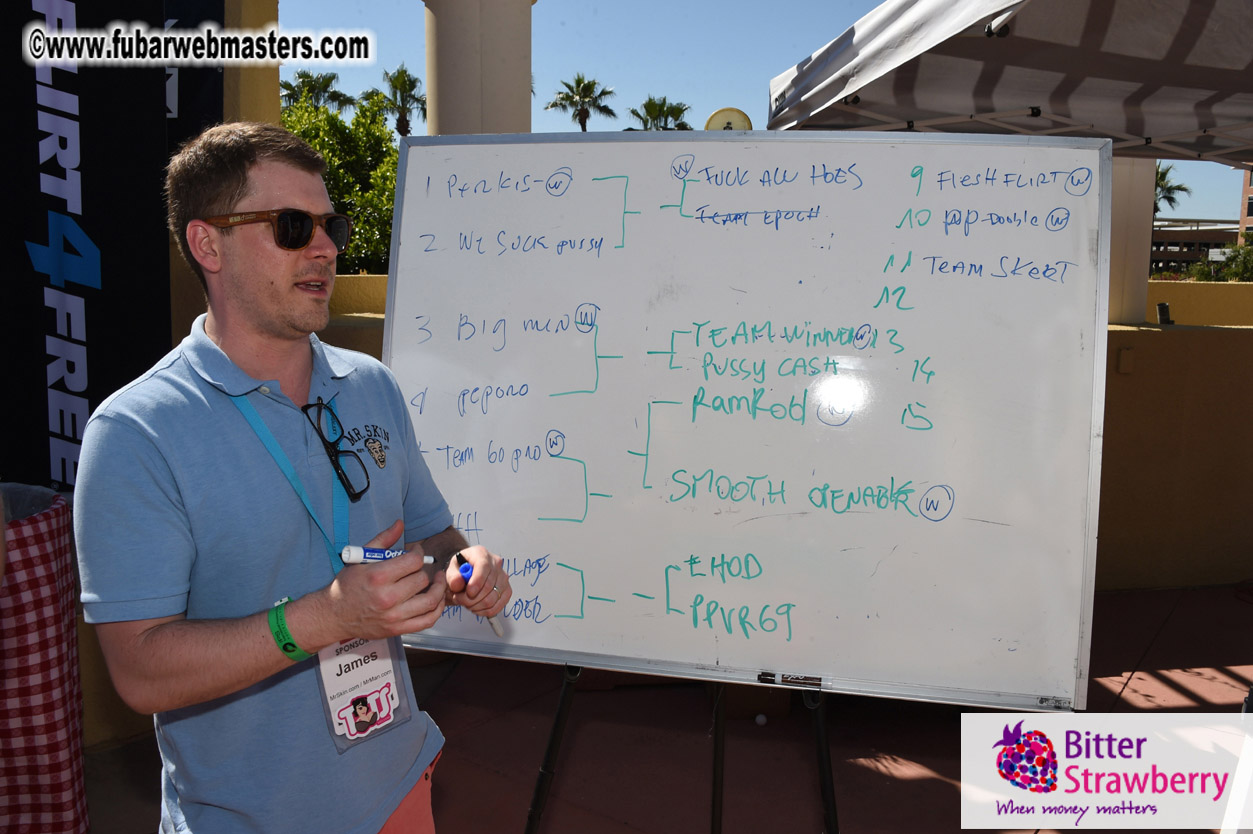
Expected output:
(637, 755)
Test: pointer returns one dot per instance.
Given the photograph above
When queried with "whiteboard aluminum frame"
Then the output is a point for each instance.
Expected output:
(981, 698)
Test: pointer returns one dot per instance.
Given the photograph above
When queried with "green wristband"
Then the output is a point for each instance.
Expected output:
(282, 637)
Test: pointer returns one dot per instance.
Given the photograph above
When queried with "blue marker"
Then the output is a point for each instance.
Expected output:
(353, 555)
(467, 570)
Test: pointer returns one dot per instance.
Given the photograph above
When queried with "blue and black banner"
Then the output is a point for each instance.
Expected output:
(87, 307)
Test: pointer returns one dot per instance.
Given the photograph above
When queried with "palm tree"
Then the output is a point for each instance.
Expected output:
(1168, 191)
(402, 97)
(581, 98)
(319, 87)
(660, 114)
(674, 115)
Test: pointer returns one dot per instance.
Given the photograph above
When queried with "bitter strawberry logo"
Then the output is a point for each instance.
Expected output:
(1027, 760)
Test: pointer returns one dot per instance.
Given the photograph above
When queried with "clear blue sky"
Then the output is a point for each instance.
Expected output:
(708, 54)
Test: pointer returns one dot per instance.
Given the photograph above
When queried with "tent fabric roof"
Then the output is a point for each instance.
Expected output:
(1162, 78)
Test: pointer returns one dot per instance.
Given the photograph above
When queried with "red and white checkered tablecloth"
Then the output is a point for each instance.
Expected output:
(41, 729)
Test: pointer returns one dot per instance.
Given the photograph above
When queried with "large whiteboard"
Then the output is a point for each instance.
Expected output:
(806, 409)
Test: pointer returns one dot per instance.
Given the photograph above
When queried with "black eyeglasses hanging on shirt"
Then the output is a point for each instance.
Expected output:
(347, 464)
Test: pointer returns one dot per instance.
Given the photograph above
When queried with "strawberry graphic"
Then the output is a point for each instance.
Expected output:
(1027, 760)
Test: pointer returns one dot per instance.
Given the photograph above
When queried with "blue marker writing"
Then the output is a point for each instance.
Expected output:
(353, 555)
(467, 570)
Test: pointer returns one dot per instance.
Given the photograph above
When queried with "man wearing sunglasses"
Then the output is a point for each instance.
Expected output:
(214, 495)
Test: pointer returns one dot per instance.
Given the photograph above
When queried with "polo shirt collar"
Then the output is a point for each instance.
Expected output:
(216, 368)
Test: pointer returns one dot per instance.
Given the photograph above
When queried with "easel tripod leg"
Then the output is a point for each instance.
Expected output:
(547, 770)
(816, 703)
(720, 727)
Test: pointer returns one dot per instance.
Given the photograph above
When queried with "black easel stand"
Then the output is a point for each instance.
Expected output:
(720, 732)
(548, 768)
(814, 701)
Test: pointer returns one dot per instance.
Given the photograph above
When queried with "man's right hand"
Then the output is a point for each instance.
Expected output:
(166, 663)
(385, 599)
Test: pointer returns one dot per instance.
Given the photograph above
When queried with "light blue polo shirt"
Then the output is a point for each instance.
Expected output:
(179, 508)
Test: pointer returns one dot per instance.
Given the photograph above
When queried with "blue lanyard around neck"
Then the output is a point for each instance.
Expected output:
(339, 496)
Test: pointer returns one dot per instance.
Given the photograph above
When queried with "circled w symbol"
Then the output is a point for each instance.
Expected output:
(937, 502)
(555, 443)
(558, 181)
(1057, 219)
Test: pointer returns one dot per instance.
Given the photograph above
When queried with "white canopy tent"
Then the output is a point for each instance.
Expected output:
(1160, 78)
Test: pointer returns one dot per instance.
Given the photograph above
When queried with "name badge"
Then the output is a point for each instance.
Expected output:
(360, 688)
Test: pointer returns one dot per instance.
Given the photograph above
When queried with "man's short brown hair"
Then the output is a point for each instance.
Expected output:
(209, 174)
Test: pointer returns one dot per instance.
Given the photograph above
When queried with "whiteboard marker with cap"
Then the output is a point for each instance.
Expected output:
(467, 570)
(354, 555)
